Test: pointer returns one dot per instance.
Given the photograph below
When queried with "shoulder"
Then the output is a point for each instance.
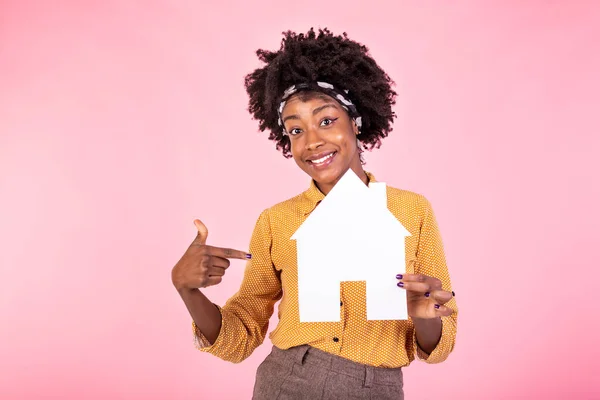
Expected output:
(408, 203)
(289, 205)
(283, 209)
(406, 197)
(282, 219)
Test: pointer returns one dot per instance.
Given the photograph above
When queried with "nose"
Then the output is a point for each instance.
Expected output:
(313, 139)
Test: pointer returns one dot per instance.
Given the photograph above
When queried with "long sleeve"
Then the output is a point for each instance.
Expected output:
(431, 261)
(245, 316)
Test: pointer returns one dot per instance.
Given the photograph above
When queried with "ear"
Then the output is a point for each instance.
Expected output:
(355, 128)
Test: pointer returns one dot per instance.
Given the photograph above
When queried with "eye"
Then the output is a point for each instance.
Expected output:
(294, 131)
(328, 121)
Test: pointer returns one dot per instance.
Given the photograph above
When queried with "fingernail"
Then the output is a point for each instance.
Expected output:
(453, 293)
(248, 256)
(401, 284)
(399, 276)
(426, 294)
(437, 306)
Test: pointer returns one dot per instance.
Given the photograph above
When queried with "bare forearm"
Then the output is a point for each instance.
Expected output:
(204, 313)
(429, 333)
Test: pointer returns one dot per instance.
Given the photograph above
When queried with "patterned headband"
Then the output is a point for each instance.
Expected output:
(326, 88)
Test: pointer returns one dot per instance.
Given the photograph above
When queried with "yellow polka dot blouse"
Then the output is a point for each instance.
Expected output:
(271, 275)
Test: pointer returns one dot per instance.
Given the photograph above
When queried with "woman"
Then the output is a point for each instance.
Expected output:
(322, 98)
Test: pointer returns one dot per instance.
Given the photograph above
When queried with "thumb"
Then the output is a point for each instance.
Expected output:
(202, 231)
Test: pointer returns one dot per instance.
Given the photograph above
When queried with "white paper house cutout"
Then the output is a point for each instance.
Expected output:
(351, 236)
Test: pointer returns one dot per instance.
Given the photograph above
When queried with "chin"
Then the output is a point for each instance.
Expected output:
(328, 176)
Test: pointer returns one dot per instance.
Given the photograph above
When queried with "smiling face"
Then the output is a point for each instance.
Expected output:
(322, 138)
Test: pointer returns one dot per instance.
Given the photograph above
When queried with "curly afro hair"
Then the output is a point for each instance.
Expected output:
(306, 58)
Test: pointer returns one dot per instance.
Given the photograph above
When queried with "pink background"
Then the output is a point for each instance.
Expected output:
(120, 122)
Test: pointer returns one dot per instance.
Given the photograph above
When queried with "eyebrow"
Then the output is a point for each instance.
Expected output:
(315, 111)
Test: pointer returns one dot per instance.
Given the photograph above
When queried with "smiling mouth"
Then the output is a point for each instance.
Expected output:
(323, 160)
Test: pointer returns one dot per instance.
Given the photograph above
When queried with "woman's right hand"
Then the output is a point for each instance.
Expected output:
(202, 265)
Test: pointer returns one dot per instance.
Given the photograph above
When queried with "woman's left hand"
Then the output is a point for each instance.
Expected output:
(425, 296)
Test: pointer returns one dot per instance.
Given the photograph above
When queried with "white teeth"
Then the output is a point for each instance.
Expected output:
(322, 160)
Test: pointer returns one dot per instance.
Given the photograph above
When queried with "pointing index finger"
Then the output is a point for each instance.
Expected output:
(225, 252)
